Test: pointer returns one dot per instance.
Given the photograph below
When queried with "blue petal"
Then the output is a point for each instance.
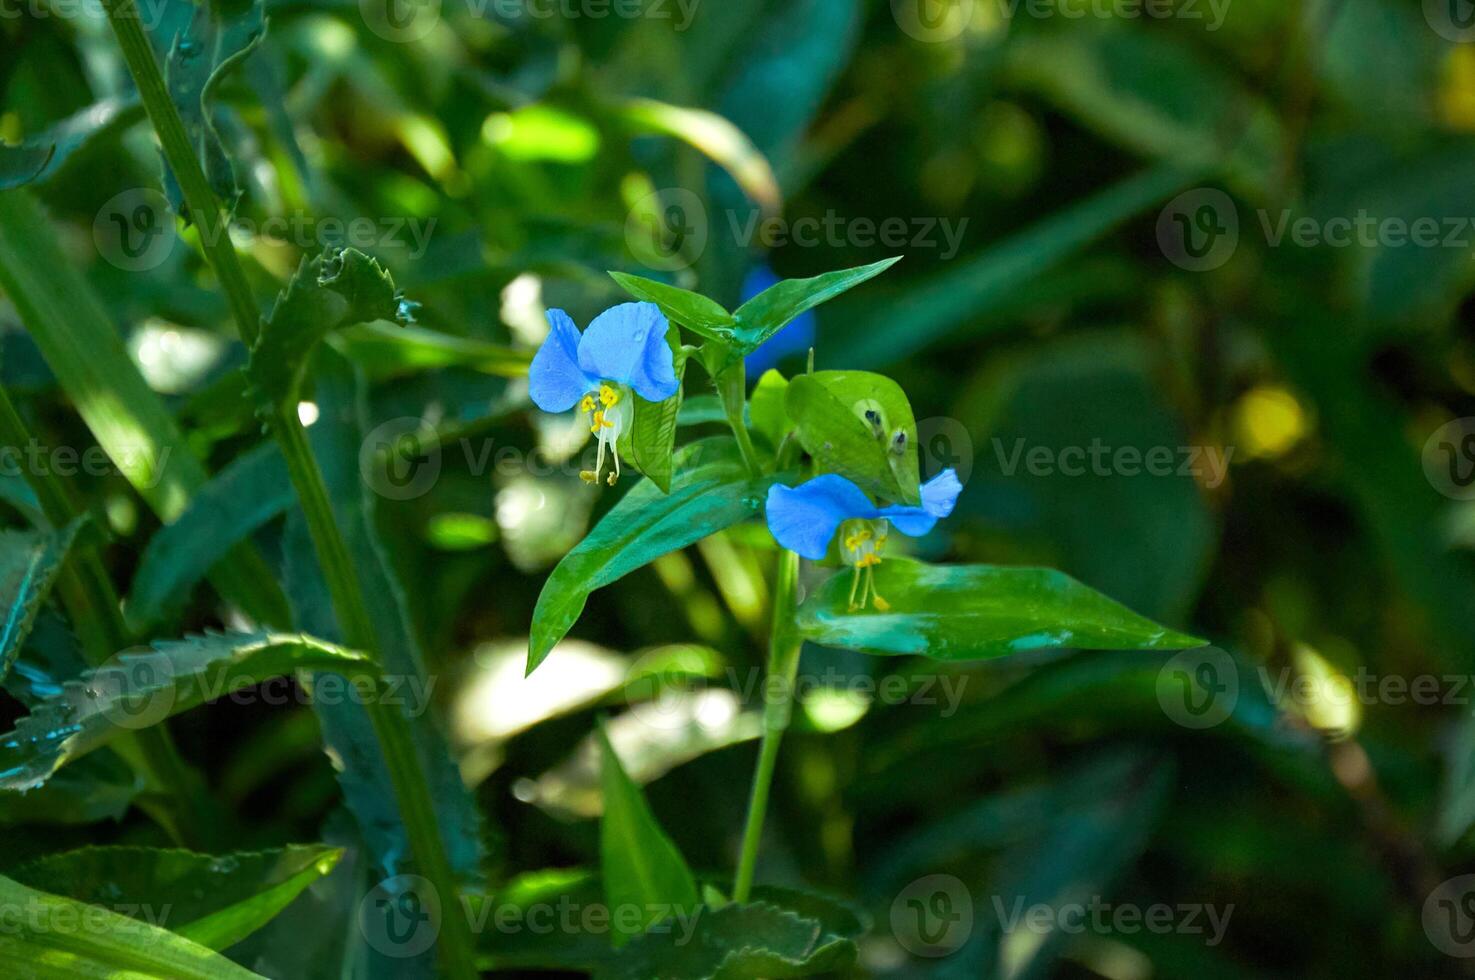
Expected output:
(555, 382)
(939, 494)
(627, 344)
(796, 336)
(805, 518)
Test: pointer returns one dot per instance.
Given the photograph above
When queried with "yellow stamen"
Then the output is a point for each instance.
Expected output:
(586, 404)
(608, 396)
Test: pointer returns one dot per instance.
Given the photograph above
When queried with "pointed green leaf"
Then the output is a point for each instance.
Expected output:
(642, 867)
(386, 351)
(337, 289)
(214, 900)
(143, 687)
(29, 563)
(711, 491)
(876, 451)
(97, 944)
(771, 310)
(252, 490)
(977, 612)
(736, 942)
(692, 310)
(650, 443)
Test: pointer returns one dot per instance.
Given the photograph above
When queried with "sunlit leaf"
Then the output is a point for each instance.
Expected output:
(771, 310)
(691, 310)
(112, 945)
(712, 490)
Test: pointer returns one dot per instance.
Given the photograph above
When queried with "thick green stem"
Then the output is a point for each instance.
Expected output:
(204, 209)
(732, 388)
(97, 616)
(417, 808)
(783, 666)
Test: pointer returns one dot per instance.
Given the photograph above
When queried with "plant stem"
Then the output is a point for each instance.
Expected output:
(97, 616)
(732, 388)
(416, 806)
(204, 209)
(783, 662)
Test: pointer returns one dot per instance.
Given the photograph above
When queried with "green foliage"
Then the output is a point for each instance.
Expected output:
(29, 564)
(213, 901)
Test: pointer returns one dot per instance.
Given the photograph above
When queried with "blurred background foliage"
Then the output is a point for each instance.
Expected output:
(546, 149)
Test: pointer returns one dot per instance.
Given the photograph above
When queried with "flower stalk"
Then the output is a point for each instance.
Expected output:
(783, 663)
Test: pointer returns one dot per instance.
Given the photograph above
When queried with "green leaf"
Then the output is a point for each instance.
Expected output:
(692, 310)
(754, 941)
(129, 420)
(650, 443)
(214, 900)
(143, 687)
(829, 409)
(45, 153)
(337, 289)
(386, 351)
(642, 867)
(711, 491)
(977, 612)
(771, 310)
(725, 144)
(219, 37)
(29, 563)
(766, 407)
(250, 491)
(100, 944)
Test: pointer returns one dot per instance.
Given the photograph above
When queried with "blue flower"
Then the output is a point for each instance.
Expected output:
(624, 348)
(796, 336)
(805, 518)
